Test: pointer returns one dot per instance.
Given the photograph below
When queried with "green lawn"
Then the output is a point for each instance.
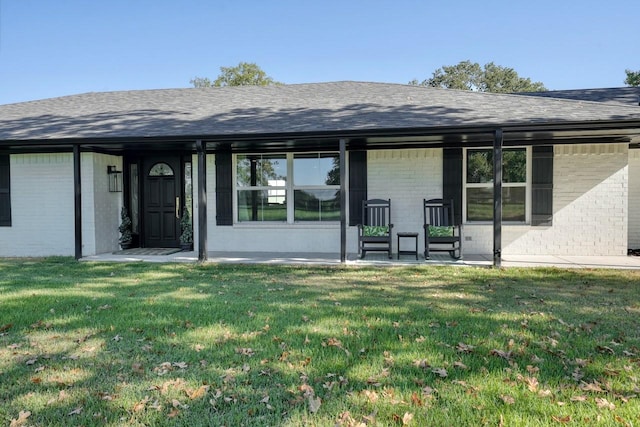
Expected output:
(148, 344)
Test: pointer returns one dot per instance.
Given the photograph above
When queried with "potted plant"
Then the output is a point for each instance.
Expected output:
(126, 236)
(186, 238)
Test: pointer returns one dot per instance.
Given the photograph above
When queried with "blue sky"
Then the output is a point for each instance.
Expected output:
(61, 47)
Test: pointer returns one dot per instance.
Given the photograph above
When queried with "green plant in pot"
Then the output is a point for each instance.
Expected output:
(126, 237)
(186, 238)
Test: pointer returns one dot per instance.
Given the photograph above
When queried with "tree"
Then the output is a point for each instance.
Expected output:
(244, 74)
(471, 76)
(633, 78)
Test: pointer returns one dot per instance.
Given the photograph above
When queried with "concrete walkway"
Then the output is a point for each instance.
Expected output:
(379, 259)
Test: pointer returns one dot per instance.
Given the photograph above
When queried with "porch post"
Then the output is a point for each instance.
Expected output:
(202, 200)
(497, 198)
(77, 201)
(343, 200)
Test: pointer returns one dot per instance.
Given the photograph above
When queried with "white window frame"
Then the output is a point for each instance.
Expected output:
(289, 189)
(526, 185)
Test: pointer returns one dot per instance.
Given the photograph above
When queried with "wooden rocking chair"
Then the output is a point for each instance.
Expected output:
(441, 234)
(376, 232)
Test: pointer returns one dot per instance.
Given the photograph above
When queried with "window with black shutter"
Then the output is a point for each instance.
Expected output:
(5, 191)
(357, 185)
(224, 188)
(542, 186)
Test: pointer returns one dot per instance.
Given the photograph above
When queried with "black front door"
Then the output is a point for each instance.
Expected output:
(162, 190)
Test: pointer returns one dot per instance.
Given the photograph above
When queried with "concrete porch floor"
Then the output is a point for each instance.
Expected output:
(380, 259)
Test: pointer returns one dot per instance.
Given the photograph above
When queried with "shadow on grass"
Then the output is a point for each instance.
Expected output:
(129, 343)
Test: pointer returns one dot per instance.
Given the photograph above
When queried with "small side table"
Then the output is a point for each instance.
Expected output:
(408, 235)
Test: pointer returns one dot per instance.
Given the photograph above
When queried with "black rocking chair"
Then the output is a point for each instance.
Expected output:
(375, 233)
(441, 234)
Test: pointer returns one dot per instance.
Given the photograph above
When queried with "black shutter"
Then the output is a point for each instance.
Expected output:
(357, 185)
(5, 191)
(452, 180)
(542, 186)
(224, 189)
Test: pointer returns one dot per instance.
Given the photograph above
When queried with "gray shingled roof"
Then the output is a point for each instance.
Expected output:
(298, 108)
(622, 95)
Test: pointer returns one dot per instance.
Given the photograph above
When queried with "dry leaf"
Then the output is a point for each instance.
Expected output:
(566, 419)
(76, 411)
(605, 404)
(578, 398)
(460, 365)
(508, 399)
(180, 365)
(442, 372)
(174, 413)
(407, 418)
(371, 395)
(197, 393)
(22, 416)
(314, 404)
(464, 348)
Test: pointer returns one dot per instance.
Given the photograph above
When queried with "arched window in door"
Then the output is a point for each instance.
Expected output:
(161, 169)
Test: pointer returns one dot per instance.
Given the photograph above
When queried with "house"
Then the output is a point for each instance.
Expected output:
(286, 168)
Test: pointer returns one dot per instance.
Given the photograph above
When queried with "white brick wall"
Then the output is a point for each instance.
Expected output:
(406, 177)
(589, 203)
(634, 199)
(41, 206)
(104, 215)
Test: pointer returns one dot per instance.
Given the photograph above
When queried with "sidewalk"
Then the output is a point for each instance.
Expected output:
(616, 262)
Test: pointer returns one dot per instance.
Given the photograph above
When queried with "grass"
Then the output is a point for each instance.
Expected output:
(146, 344)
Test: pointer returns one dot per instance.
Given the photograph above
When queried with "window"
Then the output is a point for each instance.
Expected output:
(316, 191)
(161, 169)
(5, 191)
(479, 185)
(288, 187)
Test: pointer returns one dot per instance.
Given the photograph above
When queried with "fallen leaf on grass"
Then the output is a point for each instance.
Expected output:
(314, 404)
(441, 372)
(76, 411)
(604, 404)
(197, 393)
(407, 418)
(245, 351)
(21, 420)
(464, 348)
(5, 328)
(508, 400)
(500, 353)
(558, 419)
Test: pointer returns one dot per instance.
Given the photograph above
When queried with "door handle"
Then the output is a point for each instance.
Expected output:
(178, 207)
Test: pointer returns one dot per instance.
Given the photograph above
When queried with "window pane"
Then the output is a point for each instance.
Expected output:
(480, 204)
(317, 205)
(161, 169)
(262, 205)
(316, 169)
(261, 170)
(479, 166)
(513, 204)
(514, 163)
(188, 189)
(133, 201)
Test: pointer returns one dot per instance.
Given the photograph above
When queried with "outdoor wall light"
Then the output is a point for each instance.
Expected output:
(115, 179)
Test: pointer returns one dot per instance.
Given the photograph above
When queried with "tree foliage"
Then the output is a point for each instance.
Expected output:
(633, 78)
(244, 74)
(467, 75)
